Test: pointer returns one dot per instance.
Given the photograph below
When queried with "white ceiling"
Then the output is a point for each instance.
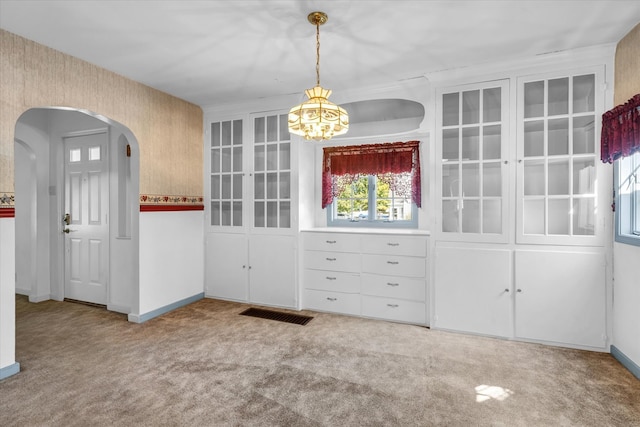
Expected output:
(221, 50)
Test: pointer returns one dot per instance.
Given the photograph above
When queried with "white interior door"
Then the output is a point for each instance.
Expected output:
(86, 208)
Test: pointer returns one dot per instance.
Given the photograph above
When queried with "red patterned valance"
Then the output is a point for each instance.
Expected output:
(371, 159)
(621, 131)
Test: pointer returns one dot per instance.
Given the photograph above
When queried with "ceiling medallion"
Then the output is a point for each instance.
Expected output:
(318, 118)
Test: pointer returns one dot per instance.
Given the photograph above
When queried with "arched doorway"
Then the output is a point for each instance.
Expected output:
(43, 137)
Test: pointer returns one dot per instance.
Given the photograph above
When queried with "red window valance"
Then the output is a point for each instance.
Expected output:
(371, 159)
(621, 131)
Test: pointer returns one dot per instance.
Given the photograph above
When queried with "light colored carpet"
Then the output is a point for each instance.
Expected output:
(205, 365)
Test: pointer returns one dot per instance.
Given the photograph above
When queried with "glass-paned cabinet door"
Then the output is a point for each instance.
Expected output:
(472, 153)
(226, 174)
(271, 172)
(558, 157)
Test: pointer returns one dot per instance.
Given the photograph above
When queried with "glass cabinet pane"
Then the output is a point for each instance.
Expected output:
(470, 107)
(215, 160)
(226, 173)
(584, 135)
(584, 216)
(225, 213)
(272, 185)
(226, 186)
(492, 216)
(215, 134)
(237, 159)
(450, 214)
(471, 216)
(237, 186)
(226, 133)
(450, 109)
(237, 132)
(285, 214)
(558, 137)
(226, 160)
(559, 216)
(285, 156)
(471, 143)
(533, 216)
(215, 186)
(284, 128)
(558, 96)
(259, 157)
(534, 138)
(534, 177)
(470, 180)
(450, 180)
(534, 99)
(258, 214)
(258, 186)
(450, 144)
(558, 177)
(584, 176)
(492, 179)
(584, 93)
(285, 185)
(215, 213)
(272, 214)
(237, 214)
(272, 157)
(272, 128)
(258, 130)
(492, 142)
(491, 99)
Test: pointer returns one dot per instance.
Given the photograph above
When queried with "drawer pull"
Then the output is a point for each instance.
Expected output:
(330, 259)
(393, 244)
(331, 278)
(393, 284)
(332, 299)
(392, 305)
(393, 262)
(331, 242)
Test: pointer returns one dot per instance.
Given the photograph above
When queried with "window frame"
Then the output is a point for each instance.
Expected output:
(333, 221)
(627, 205)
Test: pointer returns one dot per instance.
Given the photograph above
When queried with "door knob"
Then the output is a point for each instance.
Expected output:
(67, 230)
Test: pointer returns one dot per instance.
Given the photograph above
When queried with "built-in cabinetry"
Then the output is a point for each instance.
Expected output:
(519, 237)
(250, 245)
(379, 275)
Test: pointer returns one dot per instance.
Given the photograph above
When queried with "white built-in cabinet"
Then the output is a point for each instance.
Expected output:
(250, 245)
(520, 209)
(378, 275)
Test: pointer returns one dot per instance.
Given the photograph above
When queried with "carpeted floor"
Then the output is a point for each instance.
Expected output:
(205, 365)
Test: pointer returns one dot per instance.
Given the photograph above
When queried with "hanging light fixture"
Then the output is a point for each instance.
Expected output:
(318, 118)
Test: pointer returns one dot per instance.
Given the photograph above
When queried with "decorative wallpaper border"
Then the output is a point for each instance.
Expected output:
(7, 199)
(155, 199)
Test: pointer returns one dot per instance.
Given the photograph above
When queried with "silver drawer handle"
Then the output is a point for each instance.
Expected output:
(331, 278)
(393, 262)
(392, 305)
(331, 242)
(332, 299)
(393, 284)
(393, 244)
(330, 259)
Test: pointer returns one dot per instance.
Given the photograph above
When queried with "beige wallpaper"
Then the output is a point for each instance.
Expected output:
(168, 129)
(627, 74)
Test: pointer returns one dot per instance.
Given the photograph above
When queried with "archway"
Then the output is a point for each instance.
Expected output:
(40, 191)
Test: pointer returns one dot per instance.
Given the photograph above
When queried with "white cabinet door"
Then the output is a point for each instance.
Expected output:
(272, 263)
(226, 266)
(473, 290)
(560, 297)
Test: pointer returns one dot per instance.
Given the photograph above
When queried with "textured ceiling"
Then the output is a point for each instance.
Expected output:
(220, 50)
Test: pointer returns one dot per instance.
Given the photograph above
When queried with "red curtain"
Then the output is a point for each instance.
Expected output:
(374, 159)
(621, 131)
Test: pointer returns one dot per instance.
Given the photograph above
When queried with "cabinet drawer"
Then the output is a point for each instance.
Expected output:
(331, 242)
(394, 287)
(335, 302)
(332, 261)
(395, 245)
(393, 309)
(394, 265)
(332, 281)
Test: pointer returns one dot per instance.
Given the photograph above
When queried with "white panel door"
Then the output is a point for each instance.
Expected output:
(227, 266)
(560, 297)
(86, 208)
(272, 276)
(473, 290)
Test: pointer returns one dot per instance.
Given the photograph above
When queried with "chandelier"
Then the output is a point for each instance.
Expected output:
(318, 118)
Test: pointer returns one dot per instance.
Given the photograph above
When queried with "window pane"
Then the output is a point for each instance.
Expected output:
(75, 155)
(94, 153)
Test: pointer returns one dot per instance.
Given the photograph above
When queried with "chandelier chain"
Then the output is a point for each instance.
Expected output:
(318, 53)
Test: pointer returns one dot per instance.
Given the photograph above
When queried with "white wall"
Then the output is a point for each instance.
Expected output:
(171, 258)
(626, 300)
(7, 292)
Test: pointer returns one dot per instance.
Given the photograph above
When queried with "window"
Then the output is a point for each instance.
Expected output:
(627, 176)
(374, 185)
